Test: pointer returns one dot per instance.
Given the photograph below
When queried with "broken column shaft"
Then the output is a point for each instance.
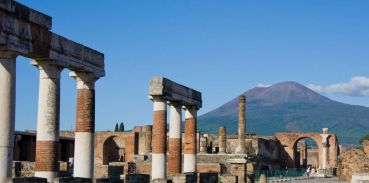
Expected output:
(222, 140)
(241, 125)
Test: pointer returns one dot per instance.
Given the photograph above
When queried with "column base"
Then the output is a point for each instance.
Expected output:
(84, 153)
(49, 175)
(189, 163)
(158, 166)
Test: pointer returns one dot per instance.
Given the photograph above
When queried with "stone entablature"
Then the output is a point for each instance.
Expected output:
(27, 32)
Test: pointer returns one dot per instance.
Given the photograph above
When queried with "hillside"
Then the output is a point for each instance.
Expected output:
(290, 107)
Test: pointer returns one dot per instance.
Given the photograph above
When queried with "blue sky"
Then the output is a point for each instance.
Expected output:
(221, 48)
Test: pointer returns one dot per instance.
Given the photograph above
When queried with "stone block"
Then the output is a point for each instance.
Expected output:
(263, 179)
(208, 178)
(29, 180)
(72, 180)
(172, 91)
(228, 179)
(179, 179)
(137, 178)
(360, 178)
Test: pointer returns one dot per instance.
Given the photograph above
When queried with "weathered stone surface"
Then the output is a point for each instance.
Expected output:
(228, 179)
(26, 31)
(352, 161)
(263, 179)
(209, 167)
(21, 11)
(171, 91)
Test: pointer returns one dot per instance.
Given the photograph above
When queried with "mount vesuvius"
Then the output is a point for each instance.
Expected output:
(290, 107)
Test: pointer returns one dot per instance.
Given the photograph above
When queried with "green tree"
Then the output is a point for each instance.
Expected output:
(366, 137)
(121, 127)
(116, 127)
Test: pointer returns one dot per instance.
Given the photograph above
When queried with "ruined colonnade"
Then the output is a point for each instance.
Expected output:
(163, 92)
(27, 32)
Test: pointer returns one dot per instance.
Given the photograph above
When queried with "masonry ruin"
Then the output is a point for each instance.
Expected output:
(143, 154)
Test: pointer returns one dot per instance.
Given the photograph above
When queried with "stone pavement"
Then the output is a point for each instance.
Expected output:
(319, 180)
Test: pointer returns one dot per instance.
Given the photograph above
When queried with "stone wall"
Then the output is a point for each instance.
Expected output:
(352, 161)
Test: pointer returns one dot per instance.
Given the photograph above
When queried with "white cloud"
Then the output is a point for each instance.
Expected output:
(357, 86)
(261, 85)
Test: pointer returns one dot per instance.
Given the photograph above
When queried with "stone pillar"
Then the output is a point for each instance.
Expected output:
(222, 140)
(47, 138)
(190, 147)
(175, 141)
(203, 144)
(159, 140)
(324, 159)
(241, 125)
(7, 113)
(85, 125)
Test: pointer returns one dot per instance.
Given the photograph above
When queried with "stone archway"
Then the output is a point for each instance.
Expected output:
(289, 140)
(300, 153)
(113, 150)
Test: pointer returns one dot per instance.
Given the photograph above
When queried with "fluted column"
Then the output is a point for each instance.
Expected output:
(222, 140)
(159, 140)
(190, 148)
(47, 138)
(241, 125)
(175, 142)
(85, 125)
(7, 113)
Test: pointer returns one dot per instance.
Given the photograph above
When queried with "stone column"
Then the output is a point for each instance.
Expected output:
(47, 138)
(190, 147)
(85, 125)
(222, 140)
(7, 113)
(175, 141)
(159, 140)
(241, 125)
(324, 159)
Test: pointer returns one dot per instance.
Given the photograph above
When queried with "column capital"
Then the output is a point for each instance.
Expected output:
(85, 80)
(47, 69)
(175, 104)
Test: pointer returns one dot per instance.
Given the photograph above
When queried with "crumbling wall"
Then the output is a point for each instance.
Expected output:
(352, 161)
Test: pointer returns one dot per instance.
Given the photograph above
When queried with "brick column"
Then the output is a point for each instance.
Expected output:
(241, 125)
(159, 140)
(47, 138)
(190, 148)
(222, 140)
(85, 125)
(7, 113)
(175, 142)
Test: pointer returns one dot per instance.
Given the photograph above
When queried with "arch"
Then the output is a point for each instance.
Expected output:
(300, 153)
(113, 150)
(289, 141)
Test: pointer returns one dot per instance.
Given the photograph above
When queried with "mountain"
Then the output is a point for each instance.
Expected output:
(290, 107)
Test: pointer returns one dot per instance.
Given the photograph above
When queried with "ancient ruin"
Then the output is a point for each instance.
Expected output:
(163, 90)
(26, 32)
(144, 153)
